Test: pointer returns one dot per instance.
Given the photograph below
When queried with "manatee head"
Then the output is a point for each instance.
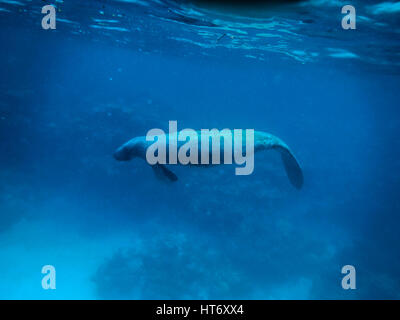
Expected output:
(127, 151)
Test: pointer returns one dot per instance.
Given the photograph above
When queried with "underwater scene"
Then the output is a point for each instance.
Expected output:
(325, 193)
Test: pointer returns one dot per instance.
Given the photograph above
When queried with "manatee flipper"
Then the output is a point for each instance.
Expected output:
(162, 172)
(292, 167)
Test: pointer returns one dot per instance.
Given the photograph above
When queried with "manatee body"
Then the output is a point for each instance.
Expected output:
(137, 147)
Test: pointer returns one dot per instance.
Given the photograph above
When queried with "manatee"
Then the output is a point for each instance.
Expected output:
(136, 148)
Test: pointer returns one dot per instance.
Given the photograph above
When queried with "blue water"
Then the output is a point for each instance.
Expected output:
(112, 70)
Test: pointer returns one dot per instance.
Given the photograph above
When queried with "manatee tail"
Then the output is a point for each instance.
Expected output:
(292, 167)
